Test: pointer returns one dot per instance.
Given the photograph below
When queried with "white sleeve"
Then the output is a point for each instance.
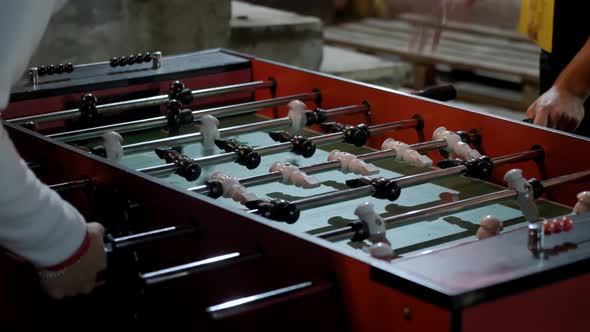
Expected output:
(35, 222)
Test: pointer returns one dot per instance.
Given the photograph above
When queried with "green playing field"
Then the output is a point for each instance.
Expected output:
(406, 240)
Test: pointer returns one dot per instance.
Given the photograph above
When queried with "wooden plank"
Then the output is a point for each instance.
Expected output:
(445, 40)
(459, 50)
(453, 48)
(424, 76)
(447, 43)
(470, 37)
(464, 27)
(371, 43)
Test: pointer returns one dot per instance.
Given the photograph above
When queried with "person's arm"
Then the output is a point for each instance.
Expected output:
(35, 223)
(39, 226)
(562, 106)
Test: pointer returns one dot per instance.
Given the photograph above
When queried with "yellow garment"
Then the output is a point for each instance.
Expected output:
(536, 22)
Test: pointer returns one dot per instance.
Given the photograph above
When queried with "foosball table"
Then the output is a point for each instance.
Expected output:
(242, 193)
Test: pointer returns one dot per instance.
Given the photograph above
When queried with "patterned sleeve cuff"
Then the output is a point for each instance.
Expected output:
(59, 269)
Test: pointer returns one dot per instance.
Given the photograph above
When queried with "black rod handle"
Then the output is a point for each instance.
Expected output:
(445, 92)
(132, 242)
(196, 267)
(267, 299)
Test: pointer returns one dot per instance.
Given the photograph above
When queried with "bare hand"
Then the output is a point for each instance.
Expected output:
(557, 109)
(80, 278)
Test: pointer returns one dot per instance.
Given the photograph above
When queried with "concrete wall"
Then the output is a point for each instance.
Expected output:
(96, 30)
(501, 13)
(277, 35)
(324, 9)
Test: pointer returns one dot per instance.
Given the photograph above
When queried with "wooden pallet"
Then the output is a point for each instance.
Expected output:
(492, 52)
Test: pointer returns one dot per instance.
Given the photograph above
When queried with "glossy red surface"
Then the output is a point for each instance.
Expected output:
(564, 153)
(556, 307)
(365, 304)
(63, 102)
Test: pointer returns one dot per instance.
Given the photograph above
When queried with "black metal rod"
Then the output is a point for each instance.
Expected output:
(132, 242)
(271, 149)
(461, 205)
(397, 125)
(345, 110)
(229, 131)
(333, 197)
(338, 196)
(160, 121)
(519, 156)
(34, 166)
(143, 102)
(329, 165)
(185, 270)
(237, 306)
(69, 186)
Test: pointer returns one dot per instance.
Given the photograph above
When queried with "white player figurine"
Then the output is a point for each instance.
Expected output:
(454, 144)
(381, 247)
(112, 141)
(232, 188)
(525, 197)
(489, 226)
(209, 130)
(405, 153)
(350, 163)
(297, 110)
(293, 175)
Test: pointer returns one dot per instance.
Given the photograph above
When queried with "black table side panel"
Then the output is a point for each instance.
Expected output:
(102, 76)
(525, 274)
